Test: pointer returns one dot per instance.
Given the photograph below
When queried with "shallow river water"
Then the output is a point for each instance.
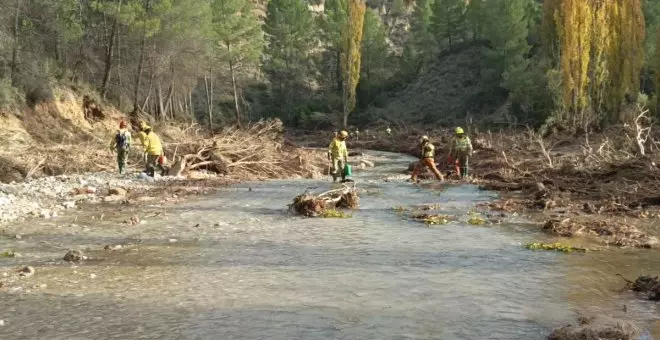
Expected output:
(236, 266)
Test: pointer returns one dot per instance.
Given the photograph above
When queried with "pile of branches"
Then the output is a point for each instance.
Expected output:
(256, 150)
(613, 232)
(645, 284)
(311, 205)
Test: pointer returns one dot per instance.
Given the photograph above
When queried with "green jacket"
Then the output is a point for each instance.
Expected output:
(461, 146)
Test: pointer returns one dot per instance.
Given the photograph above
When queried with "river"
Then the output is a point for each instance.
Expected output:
(237, 266)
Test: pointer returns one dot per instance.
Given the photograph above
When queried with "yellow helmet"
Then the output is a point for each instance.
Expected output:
(424, 138)
(459, 130)
(343, 134)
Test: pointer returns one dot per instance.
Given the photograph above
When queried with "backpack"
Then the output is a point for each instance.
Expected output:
(121, 140)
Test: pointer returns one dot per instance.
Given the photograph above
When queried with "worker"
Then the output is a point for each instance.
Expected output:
(389, 131)
(427, 159)
(357, 134)
(153, 151)
(121, 143)
(460, 152)
(142, 137)
(338, 155)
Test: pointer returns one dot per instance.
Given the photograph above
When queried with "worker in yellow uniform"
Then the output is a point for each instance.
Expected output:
(153, 151)
(460, 152)
(142, 137)
(338, 155)
(427, 159)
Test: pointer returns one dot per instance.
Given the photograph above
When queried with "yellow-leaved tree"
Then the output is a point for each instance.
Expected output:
(598, 46)
(575, 47)
(351, 55)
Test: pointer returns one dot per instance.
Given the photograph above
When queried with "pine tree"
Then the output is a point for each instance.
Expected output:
(421, 42)
(334, 19)
(239, 39)
(507, 30)
(375, 51)
(476, 16)
(448, 21)
(290, 34)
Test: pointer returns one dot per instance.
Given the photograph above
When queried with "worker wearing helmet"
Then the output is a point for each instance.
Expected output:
(121, 143)
(427, 159)
(338, 155)
(153, 150)
(460, 152)
(142, 137)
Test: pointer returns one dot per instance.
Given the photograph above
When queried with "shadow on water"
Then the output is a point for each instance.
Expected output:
(237, 266)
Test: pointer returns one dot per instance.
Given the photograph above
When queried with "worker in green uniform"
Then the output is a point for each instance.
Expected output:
(460, 152)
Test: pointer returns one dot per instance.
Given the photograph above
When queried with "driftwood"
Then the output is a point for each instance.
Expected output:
(254, 150)
(311, 205)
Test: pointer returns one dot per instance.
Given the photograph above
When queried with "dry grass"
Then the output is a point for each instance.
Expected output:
(56, 138)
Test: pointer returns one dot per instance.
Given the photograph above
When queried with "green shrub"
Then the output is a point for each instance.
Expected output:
(37, 93)
(9, 95)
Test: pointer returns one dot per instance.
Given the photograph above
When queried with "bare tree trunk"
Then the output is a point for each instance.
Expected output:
(168, 101)
(233, 84)
(161, 108)
(14, 51)
(110, 53)
(138, 79)
(81, 47)
(141, 62)
(192, 108)
(208, 82)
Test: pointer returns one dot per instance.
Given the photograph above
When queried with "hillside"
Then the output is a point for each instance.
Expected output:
(448, 88)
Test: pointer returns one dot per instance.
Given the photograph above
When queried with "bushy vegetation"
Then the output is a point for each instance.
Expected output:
(571, 64)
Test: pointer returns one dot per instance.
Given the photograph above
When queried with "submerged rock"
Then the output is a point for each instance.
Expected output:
(73, 256)
(26, 271)
(596, 328)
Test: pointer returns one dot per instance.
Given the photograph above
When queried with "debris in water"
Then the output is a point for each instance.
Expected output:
(334, 213)
(475, 219)
(600, 327)
(553, 246)
(133, 220)
(26, 271)
(73, 256)
(310, 205)
(433, 219)
(645, 284)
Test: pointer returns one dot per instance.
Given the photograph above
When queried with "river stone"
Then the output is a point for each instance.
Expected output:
(73, 256)
(117, 191)
(26, 271)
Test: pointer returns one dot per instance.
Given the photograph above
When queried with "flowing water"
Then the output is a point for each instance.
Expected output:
(236, 266)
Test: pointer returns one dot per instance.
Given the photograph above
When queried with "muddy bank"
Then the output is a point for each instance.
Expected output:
(598, 185)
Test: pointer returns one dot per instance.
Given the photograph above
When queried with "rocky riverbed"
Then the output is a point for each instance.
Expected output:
(48, 197)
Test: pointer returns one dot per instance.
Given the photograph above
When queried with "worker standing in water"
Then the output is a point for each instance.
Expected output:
(427, 159)
(460, 152)
(121, 143)
(338, 155)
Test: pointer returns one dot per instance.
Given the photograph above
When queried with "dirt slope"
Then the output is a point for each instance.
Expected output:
(447, 89)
